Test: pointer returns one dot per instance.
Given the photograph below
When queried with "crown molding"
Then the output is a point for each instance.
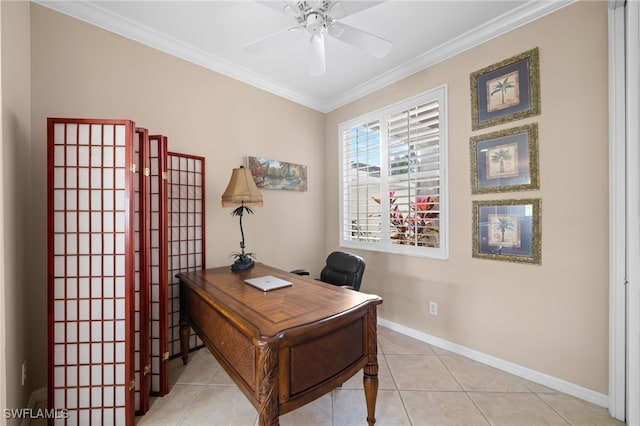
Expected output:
(102, 18)
(520, 16)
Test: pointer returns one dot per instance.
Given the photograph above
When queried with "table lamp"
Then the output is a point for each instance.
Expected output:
(241, 192)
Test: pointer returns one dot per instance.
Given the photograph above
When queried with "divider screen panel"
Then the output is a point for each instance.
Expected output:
(90, 270)
(141, 286)
(158, 265)
(186, 234)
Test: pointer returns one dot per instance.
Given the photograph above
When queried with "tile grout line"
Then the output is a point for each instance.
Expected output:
(189, 406)
(529, 391)
(484, 416)
(395, 385)
(550, 406)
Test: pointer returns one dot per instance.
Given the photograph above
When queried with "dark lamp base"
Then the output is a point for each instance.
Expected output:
(242, 264)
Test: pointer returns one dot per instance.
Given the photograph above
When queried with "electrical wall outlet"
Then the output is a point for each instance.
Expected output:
(433, 308)
(24, 372)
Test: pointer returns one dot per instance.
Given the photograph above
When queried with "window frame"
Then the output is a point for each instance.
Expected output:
(382, 115)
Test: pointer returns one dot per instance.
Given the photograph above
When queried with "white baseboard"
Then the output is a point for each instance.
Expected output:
(560, 385)
(518, 370)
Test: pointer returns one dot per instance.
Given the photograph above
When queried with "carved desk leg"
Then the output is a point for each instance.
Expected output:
(370, 379)
(267, 380)
(185, 331)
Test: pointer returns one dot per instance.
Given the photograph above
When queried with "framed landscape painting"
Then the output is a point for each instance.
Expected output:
(274, 174)
(506, 91)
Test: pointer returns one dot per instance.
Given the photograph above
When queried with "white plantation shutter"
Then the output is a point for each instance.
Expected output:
(361, 166)
(394, 161)
(413, 157)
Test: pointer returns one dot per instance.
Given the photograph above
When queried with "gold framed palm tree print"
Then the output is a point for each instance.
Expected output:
(507, 230)
(506, 91)
(506, 160)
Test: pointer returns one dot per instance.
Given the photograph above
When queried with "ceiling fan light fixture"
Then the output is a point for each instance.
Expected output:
(336, 10)
(289, 11)
(315, 16)
(291, 8)
(335, 29)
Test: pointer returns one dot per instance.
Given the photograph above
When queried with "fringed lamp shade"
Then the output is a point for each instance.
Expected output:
(241, 190)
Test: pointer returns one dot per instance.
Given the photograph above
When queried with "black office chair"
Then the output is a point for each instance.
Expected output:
(341, 269)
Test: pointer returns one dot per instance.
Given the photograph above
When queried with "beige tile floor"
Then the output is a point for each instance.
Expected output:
(419, 385)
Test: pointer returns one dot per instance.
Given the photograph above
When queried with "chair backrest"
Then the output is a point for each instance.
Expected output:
(343, 269)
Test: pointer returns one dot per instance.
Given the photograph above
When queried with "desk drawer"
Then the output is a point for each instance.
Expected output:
(233, 350)
(326, 357)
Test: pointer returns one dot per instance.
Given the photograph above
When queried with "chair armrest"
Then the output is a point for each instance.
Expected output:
(300, 272)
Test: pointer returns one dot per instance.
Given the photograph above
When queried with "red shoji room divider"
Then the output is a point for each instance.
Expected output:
(158, 265)
(91, 271)
(124, 217)
(186, 235)
(141, 283)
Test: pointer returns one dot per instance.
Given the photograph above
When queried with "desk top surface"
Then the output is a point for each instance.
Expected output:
(269, 313)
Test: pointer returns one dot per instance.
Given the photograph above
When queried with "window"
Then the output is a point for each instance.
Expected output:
(393, 178)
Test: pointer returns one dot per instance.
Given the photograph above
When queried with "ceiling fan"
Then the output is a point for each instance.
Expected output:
(319, 17)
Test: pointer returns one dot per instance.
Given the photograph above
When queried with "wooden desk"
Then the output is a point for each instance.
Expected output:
(286, 347)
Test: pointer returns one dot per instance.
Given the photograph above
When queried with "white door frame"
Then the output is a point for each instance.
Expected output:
(624, 211)
(617, 211)
(633, 210)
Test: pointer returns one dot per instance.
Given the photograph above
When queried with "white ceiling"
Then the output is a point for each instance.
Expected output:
(212, 33)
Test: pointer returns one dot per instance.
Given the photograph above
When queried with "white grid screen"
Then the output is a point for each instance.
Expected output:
(89, 270)
(186, 234)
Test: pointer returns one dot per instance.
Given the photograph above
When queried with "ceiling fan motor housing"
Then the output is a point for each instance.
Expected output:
(314, 22)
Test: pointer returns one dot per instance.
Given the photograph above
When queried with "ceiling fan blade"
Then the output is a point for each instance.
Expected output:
(317, 65)
(269, 40)
(369, 43)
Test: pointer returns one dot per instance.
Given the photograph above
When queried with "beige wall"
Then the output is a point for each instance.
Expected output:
(551, 318)
(16, 147)
(82, 71)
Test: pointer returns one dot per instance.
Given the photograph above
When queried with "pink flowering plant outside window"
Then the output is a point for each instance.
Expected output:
(419, 226)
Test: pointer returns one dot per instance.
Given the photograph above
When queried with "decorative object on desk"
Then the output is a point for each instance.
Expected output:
(268, 283)
(507, 230)
(274, 174)
(506, 91)
(241, 193)
(506, 160)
